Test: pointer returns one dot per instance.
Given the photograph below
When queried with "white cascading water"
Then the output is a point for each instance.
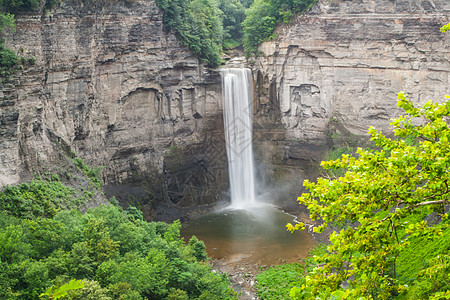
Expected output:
(237, 89)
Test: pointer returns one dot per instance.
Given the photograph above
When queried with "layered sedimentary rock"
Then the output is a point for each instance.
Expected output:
(336, 71)
(110, 84)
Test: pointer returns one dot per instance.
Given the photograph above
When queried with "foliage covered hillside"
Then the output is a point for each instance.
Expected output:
(116, 253)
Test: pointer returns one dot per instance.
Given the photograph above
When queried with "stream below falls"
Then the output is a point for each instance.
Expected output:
(242, 242)
(257, 235)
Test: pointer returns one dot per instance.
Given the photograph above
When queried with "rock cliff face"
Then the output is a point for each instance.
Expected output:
(336, 70)
(112, 86)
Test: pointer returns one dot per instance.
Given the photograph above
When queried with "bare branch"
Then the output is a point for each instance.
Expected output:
(443, 201)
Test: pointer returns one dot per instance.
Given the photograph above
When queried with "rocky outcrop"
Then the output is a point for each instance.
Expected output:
(336, 71)
(113, 86)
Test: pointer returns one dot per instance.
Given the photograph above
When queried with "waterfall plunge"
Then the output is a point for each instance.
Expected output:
(237, 89)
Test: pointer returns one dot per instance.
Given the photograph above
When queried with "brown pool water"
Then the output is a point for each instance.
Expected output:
(257, 235)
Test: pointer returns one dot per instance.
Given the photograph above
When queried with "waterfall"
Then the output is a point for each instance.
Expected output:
(237, 90)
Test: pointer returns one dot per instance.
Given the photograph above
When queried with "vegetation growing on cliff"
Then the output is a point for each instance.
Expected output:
(198, 25)
(8, 59)
(207, 26)
(92, 173)
(15, 6)
(18, 6)
(204, 26)
(116, 253)
(38, 198)
(264, 15)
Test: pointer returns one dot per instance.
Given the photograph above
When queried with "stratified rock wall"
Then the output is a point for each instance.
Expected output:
(336, 71)
(117, 89)
(349, 59)
(111, 85)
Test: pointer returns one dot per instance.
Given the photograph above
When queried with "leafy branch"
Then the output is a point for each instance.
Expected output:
(61, 292)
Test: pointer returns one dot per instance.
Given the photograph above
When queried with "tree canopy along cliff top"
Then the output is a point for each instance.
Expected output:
(207, 26)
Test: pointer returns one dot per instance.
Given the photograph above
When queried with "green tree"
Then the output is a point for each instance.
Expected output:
(233, 16)
(259, 24)
(123, 291)
(91, 290)
(381, 202)
(198, 248)
(7, 22)
(44, 236)
(117, 254)
(99, 243)
(61, 292)
(147, 275)
(14, 6)
(264, 15)
(198, 24)
(36, 278)
(13, 245)
(206, 26)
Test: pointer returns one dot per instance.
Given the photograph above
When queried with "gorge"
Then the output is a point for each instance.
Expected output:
(109, 105)
(110, 84)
